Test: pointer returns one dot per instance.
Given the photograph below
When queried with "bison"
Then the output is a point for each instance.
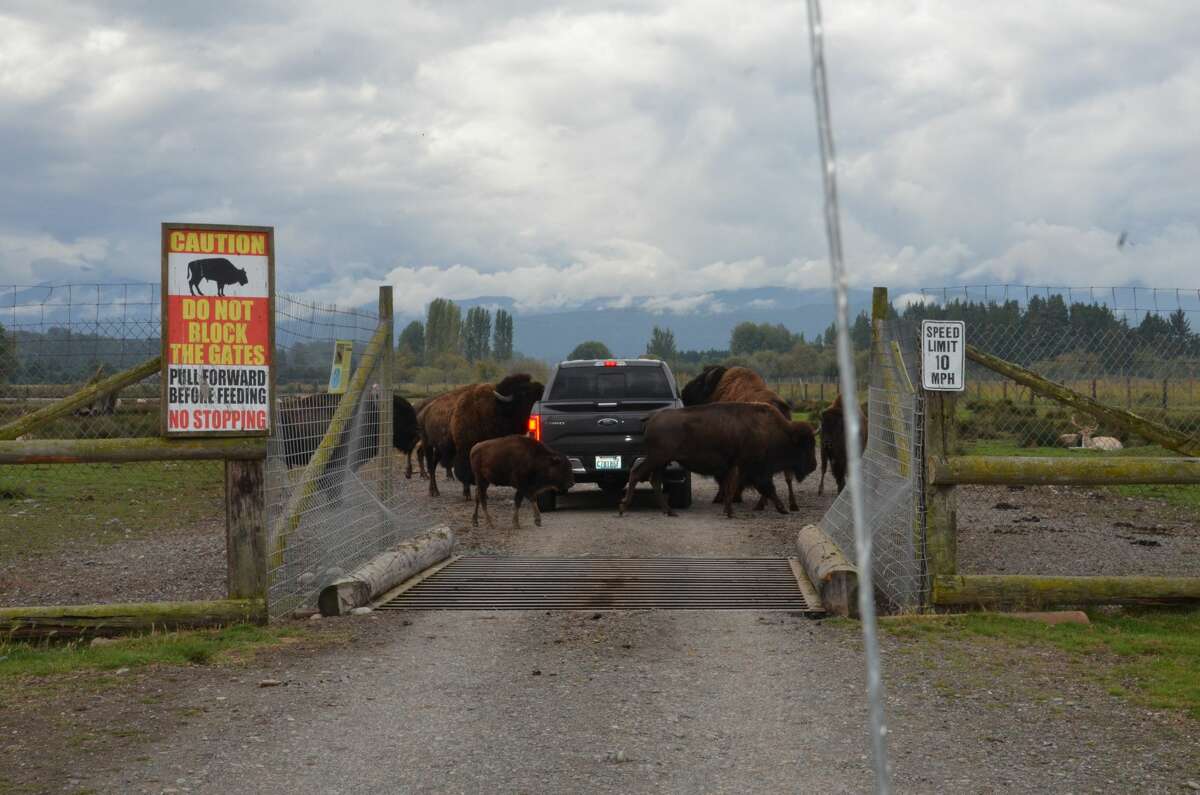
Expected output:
(732, 442)
(519, 461)
(304, 421)
(833, 442)
(720, 384)
(215, 269)
(486, 411)
(437, 447)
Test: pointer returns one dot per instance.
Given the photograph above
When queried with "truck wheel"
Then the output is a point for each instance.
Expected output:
(679, 495)
(547, 501)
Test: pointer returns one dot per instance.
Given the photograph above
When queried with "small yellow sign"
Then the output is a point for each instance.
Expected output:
(339, 372)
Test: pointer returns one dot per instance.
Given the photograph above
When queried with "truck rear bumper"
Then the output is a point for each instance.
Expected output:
(674, 472)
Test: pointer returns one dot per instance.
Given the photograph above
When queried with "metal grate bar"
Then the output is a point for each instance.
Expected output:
(496, 583)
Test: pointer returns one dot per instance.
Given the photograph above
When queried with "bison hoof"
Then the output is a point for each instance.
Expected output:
(671, 513)
(537, 522)
(793, 507)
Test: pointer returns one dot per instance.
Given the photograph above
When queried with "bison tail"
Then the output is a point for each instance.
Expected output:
(462, 471)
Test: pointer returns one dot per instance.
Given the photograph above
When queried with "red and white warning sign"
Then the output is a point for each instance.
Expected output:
(218, 329)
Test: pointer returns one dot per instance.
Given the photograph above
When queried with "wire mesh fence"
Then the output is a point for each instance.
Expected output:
(1133, 348)
(55, 340)
(332, 501)
(891, 474)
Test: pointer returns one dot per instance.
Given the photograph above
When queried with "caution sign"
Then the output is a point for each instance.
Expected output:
(943, 355)
(218, 329)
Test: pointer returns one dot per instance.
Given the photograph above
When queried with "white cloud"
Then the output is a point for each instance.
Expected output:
(644, 153)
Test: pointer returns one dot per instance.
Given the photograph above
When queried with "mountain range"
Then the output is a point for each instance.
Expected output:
(699, 323)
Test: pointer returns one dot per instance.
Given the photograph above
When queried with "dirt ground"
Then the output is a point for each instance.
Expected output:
(623, 701)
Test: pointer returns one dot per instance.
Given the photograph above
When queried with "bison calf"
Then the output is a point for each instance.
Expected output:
(733, 442)
(523, 463)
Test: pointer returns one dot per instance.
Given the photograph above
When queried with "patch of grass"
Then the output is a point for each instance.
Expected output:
(1187, 496)
(103, 503)
(201, 647)
(1150, 656)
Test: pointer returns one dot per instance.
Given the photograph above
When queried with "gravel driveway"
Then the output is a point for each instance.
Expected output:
(634, 701)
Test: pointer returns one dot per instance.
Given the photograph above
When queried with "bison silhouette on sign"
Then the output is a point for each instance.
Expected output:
(215, 269)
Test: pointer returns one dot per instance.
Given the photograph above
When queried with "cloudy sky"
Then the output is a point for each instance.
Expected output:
(646, 151)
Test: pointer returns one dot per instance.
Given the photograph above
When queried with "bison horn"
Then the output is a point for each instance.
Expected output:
(502, 398)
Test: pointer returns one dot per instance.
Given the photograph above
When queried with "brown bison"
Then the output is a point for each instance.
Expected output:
(720, 384)
(433, 420)
(732, 442)
(519, 461)
(833, 442)
(488, 411)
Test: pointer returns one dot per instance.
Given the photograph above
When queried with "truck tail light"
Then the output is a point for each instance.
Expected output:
(535, 427)
(610, 363)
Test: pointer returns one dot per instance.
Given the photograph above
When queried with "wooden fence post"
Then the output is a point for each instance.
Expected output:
(245, 529)
(385, 384)
(941, 519)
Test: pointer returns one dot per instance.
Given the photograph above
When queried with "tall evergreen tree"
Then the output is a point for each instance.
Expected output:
(412, 341)
(502, 342)
(443, 328)
(477, 332)
(662, 344)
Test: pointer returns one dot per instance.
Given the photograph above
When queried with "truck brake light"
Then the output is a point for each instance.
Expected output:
(610, 363)
(535, 427)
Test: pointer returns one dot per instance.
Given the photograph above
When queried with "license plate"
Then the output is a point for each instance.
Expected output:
(608, 462)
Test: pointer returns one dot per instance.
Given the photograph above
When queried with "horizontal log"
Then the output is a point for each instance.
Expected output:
(1102, 470)
(386, 570)
(99, 451)
(1148, 429)
(74, 621)
(36, 419)
(1032, 590)
(835, 577)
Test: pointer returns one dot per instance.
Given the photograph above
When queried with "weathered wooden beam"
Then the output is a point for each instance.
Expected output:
(828, 569)
(36, 419)
(1148, 429)
(385, 571)
(245, 530)
(73, 621)
(101, 451)
(1030, 471)
(990, 590)
(941, 505)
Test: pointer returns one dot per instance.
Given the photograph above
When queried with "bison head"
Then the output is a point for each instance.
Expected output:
(701, 388)
(241, 275)
(804, 445)
(516, 394)
(556, 471)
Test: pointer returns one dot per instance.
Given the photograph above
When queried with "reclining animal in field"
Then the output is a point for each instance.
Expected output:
(523, 463)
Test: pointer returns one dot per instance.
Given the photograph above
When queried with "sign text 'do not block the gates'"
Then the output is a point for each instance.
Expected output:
(943, 355)
(218, 330)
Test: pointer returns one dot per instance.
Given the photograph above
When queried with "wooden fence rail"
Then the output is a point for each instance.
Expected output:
(1030, 471)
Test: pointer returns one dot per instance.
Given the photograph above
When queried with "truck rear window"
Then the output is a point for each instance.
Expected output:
(607, 383)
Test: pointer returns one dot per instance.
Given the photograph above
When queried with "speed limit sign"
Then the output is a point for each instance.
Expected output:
(942, 355)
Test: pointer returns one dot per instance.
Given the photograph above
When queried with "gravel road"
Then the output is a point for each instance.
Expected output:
(633, 701)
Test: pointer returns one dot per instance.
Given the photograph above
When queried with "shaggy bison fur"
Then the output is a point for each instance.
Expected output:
(732, 442)
(720, 384)
(488, 411)
(519, 461)
(437, 448)
(833, 442)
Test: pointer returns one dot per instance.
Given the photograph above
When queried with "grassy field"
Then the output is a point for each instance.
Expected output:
(43, 508)
(199, 647)
(1150, 656)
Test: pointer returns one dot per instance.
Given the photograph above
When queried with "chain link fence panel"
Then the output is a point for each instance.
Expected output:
(892, 465)
(1132, 348)
(333, 500)
(55, 340)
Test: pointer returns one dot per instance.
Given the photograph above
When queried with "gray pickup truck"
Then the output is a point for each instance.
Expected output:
(594, 410)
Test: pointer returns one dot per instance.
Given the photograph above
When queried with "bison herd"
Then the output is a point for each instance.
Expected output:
(732, 428)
